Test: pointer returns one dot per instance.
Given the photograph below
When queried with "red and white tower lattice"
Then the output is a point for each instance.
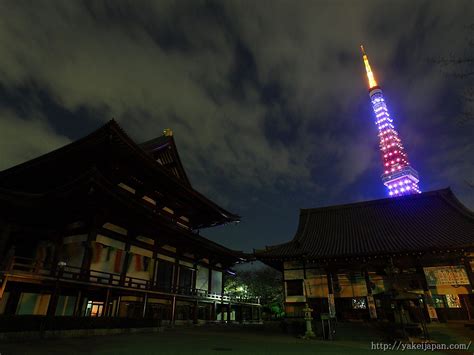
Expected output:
(398, 176)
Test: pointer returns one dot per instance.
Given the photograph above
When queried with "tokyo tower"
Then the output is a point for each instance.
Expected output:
(398, 175)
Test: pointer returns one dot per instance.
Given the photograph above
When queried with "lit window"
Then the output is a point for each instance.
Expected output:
(359, 303)
(453, 301)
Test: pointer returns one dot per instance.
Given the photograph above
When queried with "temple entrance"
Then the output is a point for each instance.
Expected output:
(94, 309)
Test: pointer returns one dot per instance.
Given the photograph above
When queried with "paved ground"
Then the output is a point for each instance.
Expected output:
(352, 339)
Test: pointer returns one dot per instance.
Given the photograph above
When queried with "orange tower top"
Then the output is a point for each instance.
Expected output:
(370, 75)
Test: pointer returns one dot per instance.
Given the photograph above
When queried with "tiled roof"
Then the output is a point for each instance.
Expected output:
(430, 221)
(86, 152)
(163, 149)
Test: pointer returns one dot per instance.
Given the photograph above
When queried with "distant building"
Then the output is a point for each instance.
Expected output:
(104, 227)
(362, 260)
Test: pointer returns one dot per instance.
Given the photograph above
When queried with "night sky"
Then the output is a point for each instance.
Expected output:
(268, 100)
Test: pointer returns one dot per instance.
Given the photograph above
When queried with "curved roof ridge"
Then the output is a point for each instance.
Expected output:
(63, 149)
(386, 200)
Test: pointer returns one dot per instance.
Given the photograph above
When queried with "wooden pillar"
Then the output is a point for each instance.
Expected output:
(3, 286)
(229, 312)
(106, 304)
(194, 281)
(53, 301)
(259, 314)
(209, 284)
(173, 310)
(176, 274)
(12, 302)
(222, 302)
(469, 272)
(239, 313)
(77, 305)
(91, 236)
(211, 312)
(117, 309)
(214, 311)
(154, 261)
(57, 240)
(126, 258)
(428, 300)
(145, 301)
(196, 312)
(370, 299)
(331, 300)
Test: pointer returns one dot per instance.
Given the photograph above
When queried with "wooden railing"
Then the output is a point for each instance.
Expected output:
(21, 265)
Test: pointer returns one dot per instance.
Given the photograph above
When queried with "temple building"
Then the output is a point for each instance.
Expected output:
(361, 260)
(107, 228)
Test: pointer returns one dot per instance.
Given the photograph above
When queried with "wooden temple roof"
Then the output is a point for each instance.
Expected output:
(431, 221)
(163, 149)
(94, 150)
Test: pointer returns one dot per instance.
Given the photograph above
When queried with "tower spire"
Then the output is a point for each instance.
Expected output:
(399, 177)
(370, 74)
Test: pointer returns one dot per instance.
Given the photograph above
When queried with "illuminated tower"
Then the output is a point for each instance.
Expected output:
(399, 177)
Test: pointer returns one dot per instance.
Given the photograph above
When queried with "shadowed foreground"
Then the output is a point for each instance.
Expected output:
(225, 340)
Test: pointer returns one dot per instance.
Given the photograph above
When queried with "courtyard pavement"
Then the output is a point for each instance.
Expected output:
(351, 339)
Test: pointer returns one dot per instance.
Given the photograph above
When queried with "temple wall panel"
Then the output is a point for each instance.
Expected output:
(316, 286)
(311, 273)
(351, 287)
(77, 238)
(141, 251)
(146, 240)
(65, 306)
(291, 299)
(186, 263)
(110, 242)
(72, 253)
(292, 265)
(107, 258)
(293, 274)
(166, 258)
(216, 282)
(140, 263)
(202, 278)
(115, 228)
(169, 248)
(3, 302)
(33, 303)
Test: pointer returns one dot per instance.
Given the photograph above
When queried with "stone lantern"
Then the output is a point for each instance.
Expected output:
(308, 318)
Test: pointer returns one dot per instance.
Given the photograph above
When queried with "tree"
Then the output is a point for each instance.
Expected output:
(265, 283)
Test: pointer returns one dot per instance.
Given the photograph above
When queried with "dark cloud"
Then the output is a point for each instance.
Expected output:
(268, 100)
